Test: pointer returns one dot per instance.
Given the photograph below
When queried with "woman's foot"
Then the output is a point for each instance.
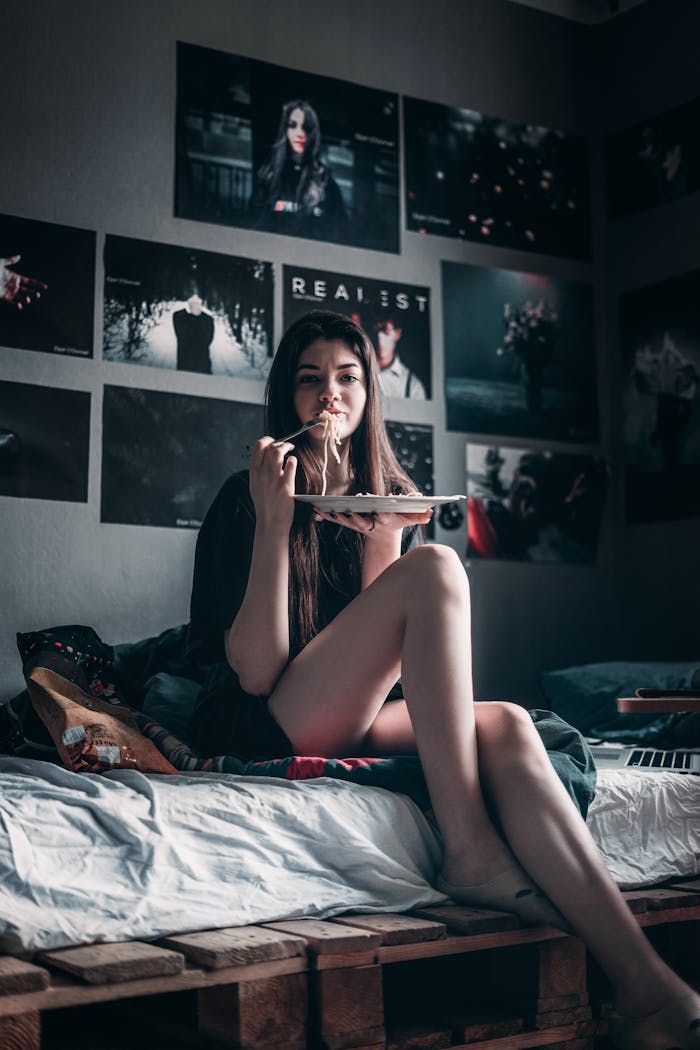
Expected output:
(676, 1026)
(511, 890)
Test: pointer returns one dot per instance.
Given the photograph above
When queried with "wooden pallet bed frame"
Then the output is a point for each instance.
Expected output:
(359, 982)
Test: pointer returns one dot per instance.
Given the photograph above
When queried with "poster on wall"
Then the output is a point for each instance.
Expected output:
(396, 317)
(171, 307)
(654, 161)
(279, 150)
(413, 447)
(489, 180)
(47, 287)
(44, 442)
(530, 505)
(519, 354)
(165, 456)
(660, 343)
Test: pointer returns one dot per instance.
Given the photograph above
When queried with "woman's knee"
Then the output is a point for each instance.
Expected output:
(505, 725)
(437, 566)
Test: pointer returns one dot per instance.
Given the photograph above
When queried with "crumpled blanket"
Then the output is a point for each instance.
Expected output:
(152, 681)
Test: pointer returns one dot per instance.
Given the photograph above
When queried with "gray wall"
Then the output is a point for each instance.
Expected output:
(88, 141)
(648, 60)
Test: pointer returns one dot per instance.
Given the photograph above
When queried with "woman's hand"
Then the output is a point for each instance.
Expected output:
(272, 481)
(376, 527)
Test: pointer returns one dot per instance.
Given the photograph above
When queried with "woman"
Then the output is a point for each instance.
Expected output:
(318, 614)
(296, 192)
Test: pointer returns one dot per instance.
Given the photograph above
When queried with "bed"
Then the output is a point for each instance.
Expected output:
(130, 857)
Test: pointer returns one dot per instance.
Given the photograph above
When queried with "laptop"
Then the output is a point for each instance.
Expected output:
(646, 759)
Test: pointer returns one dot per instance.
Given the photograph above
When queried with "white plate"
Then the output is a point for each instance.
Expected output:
(376, 504)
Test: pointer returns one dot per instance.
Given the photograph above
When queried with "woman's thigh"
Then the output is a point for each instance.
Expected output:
(329, 696)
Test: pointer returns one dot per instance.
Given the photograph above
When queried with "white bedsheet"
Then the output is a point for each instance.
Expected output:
(117, 856)
(103, 858)
(647, 825)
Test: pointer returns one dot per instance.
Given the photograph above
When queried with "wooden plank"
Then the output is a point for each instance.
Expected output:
(348, 1000)
(359, 1039)
(459, 945)
(21, 1032)
(523, 1040)
(66, 991)
(662, 899)
(417, 1036)
(236, 946)
(556, 1018)
(397, 929)
(636, 901)
(256, 1014)
(563, 969)
(328, 937)
(17, 975)
(469, 920)
(475, 1026)
(661, 917)
(688, 885)
(110, 963)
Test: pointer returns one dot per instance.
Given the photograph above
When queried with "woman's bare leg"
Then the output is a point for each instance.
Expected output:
(550, 839)
(414, 620)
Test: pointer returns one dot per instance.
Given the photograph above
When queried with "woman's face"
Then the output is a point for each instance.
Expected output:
(330, 377)
(296, 132)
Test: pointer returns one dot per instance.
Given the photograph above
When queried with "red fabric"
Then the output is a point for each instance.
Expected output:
(481, 535)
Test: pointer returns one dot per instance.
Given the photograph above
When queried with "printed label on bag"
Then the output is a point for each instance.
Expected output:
(108, 754)
(73, 735)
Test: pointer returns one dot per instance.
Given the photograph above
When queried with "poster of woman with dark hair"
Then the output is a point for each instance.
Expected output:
(47, 286)
(396, 317)
(296, 192)
(660, 337)
(275, 149)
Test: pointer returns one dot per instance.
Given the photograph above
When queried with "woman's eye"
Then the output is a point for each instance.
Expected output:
(351, 378)
(307, 379)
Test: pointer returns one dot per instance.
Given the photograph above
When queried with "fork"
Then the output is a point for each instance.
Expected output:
(295, 433)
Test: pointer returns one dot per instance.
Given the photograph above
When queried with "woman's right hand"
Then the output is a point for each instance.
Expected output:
(272, 483)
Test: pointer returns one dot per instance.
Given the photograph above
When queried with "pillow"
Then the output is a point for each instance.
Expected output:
(586, 696)
(68, 671)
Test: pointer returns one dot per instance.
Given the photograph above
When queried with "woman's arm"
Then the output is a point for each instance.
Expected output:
(380, 551)
(257, 642)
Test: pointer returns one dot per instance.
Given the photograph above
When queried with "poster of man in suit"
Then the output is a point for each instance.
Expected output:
(396, 317)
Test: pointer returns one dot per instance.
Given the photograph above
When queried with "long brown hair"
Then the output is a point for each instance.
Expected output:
(372, 464)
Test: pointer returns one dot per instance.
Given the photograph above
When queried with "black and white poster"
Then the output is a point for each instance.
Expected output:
(654, 161)
(520, 355)
(489, 180)
(171, 307)
(660, 337)
(44, 442)
(396, 317)
(165, 456)
(47, 287)
(529, 505)
(279, 150)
